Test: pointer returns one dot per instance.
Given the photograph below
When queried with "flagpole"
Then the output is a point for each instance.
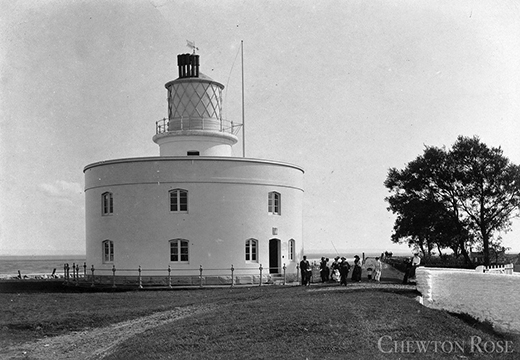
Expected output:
(243, 111)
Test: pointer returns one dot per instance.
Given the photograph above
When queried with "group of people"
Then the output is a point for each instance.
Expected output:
(339, 269)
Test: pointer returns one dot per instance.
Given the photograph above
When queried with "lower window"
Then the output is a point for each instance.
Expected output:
(251, 250)
(108, 251)
(179, 250)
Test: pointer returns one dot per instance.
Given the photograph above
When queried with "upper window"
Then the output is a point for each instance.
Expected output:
(178, 200)
(107, 203)
(292, 248)
(108, 251)
(251, 250)
(193, 153)
(179, 250)
(274, 203)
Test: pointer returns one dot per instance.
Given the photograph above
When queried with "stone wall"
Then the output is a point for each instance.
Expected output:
(485, 296)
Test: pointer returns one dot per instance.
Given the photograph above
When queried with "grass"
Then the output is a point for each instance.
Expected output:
(266, 322)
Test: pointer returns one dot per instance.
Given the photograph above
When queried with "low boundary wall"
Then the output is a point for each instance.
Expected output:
(487, 296)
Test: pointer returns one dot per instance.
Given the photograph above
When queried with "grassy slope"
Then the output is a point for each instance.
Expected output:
(26, 316)
(268, 322)
(323, 321)
(298, 323)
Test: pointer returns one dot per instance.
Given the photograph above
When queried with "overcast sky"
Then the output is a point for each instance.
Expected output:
(344, 89)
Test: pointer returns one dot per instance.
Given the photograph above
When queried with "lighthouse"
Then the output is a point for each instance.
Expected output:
(194, 125)
(194, 206)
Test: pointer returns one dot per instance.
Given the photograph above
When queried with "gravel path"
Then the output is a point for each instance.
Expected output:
(99, 342)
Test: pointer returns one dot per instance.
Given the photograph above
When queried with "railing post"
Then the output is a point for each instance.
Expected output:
(85, 270)
(64, 272)
(261, 268)
(284, 277)
(311, 279)
(298, 273)
(67, 272)
(113, 276)
(76, 270)
(169, 276)
(140, 281)
(92, 269)
(200, 276)
(232, 276)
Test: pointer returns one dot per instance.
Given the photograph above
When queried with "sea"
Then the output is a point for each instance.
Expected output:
(37, 265)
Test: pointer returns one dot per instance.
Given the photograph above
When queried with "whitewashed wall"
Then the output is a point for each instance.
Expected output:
(485, 296)
(227, 205)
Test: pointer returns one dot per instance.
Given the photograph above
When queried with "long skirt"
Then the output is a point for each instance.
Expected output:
(377, 275)
(336, 275)
(356, 273)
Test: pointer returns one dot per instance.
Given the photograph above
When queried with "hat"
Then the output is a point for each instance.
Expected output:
(336, 258)
(343, 258)
(357, 257)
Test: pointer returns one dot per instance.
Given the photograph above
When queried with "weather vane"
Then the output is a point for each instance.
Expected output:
(191, 44)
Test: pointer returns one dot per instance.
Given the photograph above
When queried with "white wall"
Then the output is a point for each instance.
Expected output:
(207, 143)
(227, 204)
(485, 296)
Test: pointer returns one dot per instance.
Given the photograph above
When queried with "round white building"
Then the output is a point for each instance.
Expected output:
(194, 206)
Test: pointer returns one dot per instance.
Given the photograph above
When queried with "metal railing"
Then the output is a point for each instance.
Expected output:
(209, 124)
(167, 277)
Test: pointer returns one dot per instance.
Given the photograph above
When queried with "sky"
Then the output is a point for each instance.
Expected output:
(346, 90)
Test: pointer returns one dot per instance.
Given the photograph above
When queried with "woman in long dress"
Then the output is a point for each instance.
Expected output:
(378, 269)
(356, 272)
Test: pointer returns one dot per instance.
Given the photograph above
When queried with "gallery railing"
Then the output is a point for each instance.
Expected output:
(210, 124)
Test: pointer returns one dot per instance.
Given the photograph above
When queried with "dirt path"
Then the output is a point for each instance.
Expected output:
(99, 342)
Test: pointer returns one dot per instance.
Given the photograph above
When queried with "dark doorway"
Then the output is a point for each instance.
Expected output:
(274, 256)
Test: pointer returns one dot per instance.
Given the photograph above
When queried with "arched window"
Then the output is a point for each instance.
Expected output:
(108, 251)
(274, 203)
(292, 249)
(107, 203)
(179, 250)
(178, 200)
(252, 250)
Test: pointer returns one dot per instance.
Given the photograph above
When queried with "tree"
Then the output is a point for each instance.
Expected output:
(468, 193)
(424, 182)
(487, 188)
(422, 223)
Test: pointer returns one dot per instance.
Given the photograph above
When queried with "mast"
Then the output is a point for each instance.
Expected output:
(243, 111)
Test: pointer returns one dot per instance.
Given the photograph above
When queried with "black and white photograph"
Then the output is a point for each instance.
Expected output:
(188, 179)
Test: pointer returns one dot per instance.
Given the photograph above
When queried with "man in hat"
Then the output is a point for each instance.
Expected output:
(305, 268)
(324, 270)
(343, 270)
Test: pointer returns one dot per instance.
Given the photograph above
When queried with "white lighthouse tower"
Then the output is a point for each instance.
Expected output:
(194, 206)
(194, 125)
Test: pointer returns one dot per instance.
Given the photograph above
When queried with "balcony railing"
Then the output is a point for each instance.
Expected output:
(166, 125)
